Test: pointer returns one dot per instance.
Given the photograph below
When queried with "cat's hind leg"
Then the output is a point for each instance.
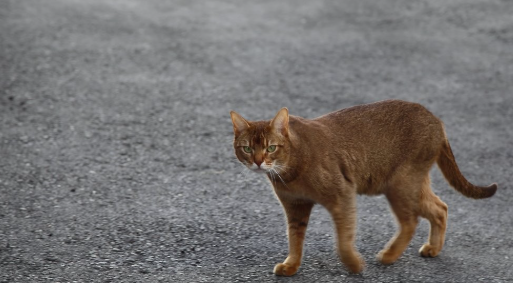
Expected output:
(297, 214)
(403, 206)
(434, 210)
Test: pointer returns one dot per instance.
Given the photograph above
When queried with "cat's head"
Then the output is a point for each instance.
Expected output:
(263, 146)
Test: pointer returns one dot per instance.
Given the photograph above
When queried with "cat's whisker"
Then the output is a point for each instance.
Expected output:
(271, 174)
(281, 167)
(278, 174)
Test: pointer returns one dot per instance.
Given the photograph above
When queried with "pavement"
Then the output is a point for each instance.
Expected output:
(116, 162)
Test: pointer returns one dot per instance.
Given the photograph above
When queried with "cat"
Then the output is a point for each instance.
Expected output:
(386, 147)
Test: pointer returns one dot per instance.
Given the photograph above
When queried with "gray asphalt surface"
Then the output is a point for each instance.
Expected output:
(116, 162)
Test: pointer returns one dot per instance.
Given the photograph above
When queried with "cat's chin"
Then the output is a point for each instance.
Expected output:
(258, 170)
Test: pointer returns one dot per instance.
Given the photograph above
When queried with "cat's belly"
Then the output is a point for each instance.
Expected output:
(372, 191)
(314, 191)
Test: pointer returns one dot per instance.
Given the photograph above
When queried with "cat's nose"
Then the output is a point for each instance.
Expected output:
(258, 162)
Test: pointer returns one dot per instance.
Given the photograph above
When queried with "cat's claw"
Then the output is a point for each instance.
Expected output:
(283, 269)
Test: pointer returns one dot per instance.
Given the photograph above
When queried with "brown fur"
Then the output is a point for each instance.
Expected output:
(385, 148)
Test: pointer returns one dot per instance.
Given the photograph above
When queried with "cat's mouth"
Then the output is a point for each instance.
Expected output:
(260, 169)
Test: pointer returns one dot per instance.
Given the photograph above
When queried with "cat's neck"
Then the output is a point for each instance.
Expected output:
(299, 154)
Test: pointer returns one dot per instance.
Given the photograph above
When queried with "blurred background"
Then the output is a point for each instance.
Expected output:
(116, 162)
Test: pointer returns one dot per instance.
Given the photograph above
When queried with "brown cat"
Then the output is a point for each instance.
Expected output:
(385, 148)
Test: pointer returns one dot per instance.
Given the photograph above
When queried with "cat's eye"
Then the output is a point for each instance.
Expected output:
(246, 149)
(271, 148)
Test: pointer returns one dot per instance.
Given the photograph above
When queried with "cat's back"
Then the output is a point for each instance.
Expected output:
(387, 114)
(386, 129)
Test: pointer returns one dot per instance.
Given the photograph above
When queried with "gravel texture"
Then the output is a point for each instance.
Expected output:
(116, 163)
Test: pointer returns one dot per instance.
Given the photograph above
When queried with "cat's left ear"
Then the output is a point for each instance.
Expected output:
(280, 123)
(239, 124)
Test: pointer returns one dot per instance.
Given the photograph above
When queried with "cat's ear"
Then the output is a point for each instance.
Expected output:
(280, 123)
(239, 124)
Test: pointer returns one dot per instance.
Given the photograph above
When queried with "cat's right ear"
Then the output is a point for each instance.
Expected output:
(239, 124)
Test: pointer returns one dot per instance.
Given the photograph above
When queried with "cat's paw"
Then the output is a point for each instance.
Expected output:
(283, 269)
(355, 264)
(428, 250)
(387, 256)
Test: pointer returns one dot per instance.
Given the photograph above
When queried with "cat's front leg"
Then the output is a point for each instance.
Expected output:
(344, 218)
(298, 213)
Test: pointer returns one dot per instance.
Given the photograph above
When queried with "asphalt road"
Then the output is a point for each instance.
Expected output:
(116, 163)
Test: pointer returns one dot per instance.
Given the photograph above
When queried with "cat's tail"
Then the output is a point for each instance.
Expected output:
(452, 173)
